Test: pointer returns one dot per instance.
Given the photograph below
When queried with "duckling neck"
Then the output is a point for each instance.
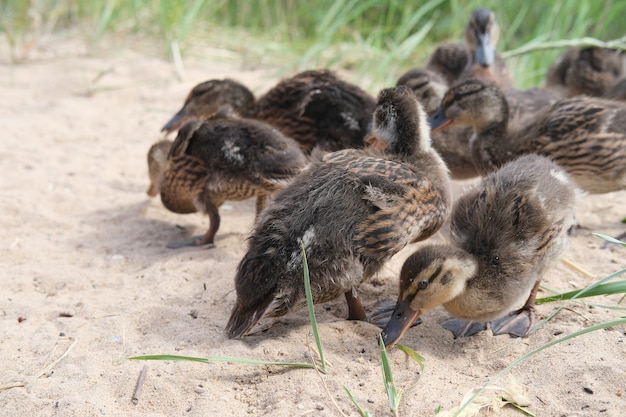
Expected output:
(487, 141)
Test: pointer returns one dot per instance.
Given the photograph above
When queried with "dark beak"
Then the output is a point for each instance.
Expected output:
(401, 320)
(439, 120)
(485, 54)
(175, 122)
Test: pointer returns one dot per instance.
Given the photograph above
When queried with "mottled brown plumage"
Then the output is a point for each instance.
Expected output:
(585, 135)
(505, 232)
(591, 71)
(210, 97)
(453, 143)
(223, 159)
(315, 108)
(351, 210)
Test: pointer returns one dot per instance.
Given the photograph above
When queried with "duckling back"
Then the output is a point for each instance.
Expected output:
(317, 108)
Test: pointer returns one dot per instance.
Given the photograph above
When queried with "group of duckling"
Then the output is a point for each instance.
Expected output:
(352, 180)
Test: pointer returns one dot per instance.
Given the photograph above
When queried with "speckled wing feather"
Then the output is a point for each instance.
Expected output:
(411, 208)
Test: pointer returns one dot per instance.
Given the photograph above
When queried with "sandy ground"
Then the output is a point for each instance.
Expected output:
(88, 282)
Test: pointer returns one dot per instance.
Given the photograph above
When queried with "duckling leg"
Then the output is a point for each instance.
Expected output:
(209, 236)
(463, 328)
(355, 308)
(518, 323)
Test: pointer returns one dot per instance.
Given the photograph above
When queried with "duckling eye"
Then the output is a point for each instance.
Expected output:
(422, 285)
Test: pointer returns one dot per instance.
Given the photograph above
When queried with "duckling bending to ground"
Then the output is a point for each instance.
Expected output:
(584, 135)
(315, 108)
(351, 210)
(453, 143)
(210, 97)
(221, 159)
(505, 233)
(477, 58)
(591, 71)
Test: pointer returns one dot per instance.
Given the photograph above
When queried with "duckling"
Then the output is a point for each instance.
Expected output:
(584, 135)
(477, 58)
(351, 210)
(209, 97)
(315, 108)
(453, 143)
(221, 159)
(506, 232)
(590, 71)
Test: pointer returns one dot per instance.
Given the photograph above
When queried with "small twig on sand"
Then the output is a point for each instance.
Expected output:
(577, 268)
(140, 380)
(53, 364)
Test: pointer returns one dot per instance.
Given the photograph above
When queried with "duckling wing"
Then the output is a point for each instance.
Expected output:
(409, 206)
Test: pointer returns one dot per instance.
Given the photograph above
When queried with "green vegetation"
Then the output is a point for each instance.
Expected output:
(376, 39)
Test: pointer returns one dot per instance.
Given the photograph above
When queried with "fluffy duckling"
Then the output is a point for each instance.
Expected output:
(221, 159)
(479, 60)
(315, 108)
(584, 135)
(210, 97)
(505, 233)
(453, 143)
(351, 210)
(591, 71)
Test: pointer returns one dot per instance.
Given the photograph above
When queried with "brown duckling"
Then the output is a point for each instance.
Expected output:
(315, 108)
(477, 58)
(352, 210)
(591, 71)
(210, 97)
(585, 135)
(222, 159)
(505, 232)
(453, 143)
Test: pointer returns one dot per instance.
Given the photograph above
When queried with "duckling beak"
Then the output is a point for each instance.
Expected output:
(439, 120)
(175, 122)
(401, 320)
(485, 54)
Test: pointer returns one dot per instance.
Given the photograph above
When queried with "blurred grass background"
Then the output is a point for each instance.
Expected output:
(376, 39)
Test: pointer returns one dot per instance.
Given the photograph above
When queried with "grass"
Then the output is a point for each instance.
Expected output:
(378, 40)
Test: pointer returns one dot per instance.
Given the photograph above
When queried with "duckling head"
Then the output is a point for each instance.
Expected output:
(399, 123)
(157, 157)
(472, 102)
(427, 86)
(481, 34)
(208, 98)
(432, 276)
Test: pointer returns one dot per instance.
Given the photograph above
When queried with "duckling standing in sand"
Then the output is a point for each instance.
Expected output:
(221, 159)
(352, 210)
(505, 233)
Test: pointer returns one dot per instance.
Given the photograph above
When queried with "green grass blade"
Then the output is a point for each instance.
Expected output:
(610, 239)
(601, 289)
(390, 387)
(309, 303)
(363, 412)
(413, 355)
(212, 359)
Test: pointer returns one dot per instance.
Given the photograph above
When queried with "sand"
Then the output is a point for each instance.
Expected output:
(87, 281)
